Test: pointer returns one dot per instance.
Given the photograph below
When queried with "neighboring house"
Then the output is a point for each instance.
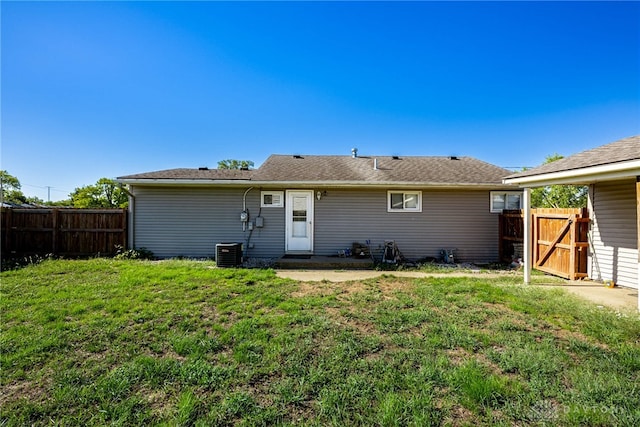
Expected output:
(322, 204)
(612, 173)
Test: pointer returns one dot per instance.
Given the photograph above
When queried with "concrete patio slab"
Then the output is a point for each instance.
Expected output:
(324, 262)
(619, 298)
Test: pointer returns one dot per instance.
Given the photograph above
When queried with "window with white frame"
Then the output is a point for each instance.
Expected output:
(404, 201)
(505, 200)
(271, 199)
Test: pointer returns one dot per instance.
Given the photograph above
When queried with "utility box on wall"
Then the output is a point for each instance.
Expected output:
(228, 254)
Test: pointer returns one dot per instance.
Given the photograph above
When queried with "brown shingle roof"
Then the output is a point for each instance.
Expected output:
(444, 171)
(185, 173)
(623, 150)
(433, 170)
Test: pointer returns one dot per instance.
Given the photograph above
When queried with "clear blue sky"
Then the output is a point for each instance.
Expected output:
(103, 89)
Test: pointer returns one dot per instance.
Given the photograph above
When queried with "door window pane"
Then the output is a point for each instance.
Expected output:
(299, 217)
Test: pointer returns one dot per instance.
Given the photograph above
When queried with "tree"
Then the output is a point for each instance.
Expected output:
(235, 164)
(58, 203)
(104, 194)
(10, 191)
(559, 196)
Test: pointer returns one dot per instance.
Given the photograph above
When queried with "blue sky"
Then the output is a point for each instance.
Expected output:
(103, 89)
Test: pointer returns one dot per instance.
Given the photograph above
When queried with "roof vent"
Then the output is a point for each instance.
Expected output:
(354, 152)
(454, 158)
(395, 157)
(297, 156)
(203, 168)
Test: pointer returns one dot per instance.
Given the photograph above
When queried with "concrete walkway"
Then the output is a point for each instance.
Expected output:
(618, 298)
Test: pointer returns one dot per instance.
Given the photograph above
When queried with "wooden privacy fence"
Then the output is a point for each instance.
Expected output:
(559, 240)
(64, 232)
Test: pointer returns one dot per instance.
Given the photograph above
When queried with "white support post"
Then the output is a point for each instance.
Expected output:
(527, 235)
(638, 233)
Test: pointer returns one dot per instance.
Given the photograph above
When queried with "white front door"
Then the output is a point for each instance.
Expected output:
(299, 221)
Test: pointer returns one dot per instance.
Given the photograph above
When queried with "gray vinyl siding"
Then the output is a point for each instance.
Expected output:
(614, 247)
(449, 219)
(189, 222)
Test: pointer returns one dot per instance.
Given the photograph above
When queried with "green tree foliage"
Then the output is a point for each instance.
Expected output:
(559, 196)
(66, 203)
(10, 189)
(235, 164)
(33, 200)
(104, 194)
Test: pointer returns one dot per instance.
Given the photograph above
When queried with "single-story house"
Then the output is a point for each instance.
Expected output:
(319, 205)
(612, 173)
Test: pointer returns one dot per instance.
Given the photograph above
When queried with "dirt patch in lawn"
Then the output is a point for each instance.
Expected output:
(363, 327)
(347, 288)
(29, 390)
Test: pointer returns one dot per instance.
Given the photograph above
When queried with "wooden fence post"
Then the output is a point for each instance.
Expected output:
(534, 239)
(500, 236)
(54, 231)
(8, 230)
(573, 248)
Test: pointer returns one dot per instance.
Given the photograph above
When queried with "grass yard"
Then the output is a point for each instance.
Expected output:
(183, 343)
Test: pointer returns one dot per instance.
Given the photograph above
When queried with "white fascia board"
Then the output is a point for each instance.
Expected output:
(400, 184)
(313, 184)
(186, 182)
(580, 176)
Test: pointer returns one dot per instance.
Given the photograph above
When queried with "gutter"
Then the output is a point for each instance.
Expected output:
(315, 184)
(131, 235)
(173, 181)
(579, 176)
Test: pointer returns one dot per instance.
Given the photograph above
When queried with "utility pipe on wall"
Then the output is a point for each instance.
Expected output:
(244, 207)
(244, 198)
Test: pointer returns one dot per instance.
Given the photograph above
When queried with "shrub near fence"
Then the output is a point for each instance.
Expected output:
(62, 232)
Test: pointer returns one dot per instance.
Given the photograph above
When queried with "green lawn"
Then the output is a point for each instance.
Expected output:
(184, 343)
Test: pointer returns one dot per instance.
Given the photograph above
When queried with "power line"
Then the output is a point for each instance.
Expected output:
(47, 187)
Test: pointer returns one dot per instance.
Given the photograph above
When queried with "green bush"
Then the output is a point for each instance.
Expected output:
(140, 253)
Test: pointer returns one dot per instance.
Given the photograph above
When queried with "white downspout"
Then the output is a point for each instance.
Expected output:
(131, 213)
(527, 235)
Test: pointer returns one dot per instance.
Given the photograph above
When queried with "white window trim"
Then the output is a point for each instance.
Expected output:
(503, 193)
(274, 194)
(416, 209)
